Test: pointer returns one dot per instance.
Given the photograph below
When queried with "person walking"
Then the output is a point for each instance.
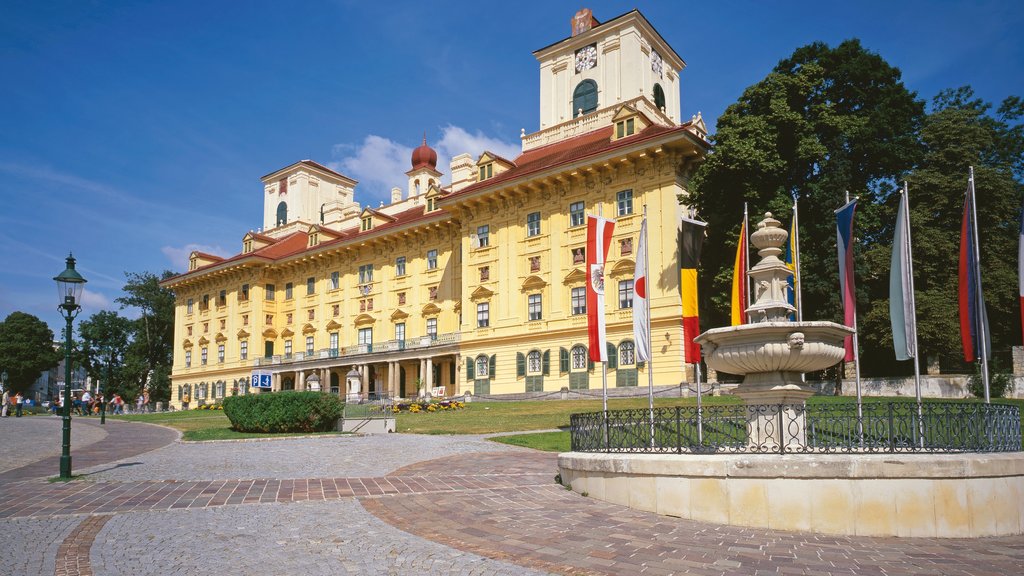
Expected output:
(87, 403)
(139, 403)
(19, 401)
(7, 404)
(118, 404)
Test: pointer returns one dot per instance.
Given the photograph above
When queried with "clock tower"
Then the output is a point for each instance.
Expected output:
(604, 64)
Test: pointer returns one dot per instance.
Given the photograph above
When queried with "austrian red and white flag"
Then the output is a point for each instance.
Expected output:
(599, 238)
(641, 323)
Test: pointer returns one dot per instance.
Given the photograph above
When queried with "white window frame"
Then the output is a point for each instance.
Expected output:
(483, 236)
(624, 202)
(243, 350)
(577, 214)
(626, 294)
(335, 280)
(432, 328)
(627, 353)
(366, 336)
(533, 362)
(534, 307)
(578, 300)
(400, 266)
(578, 358)
(481, 367)
(432, 259)
(533, 224)
(310, 345)
(483, 315)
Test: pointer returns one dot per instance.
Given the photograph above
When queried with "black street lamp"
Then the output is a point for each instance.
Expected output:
(69, 288)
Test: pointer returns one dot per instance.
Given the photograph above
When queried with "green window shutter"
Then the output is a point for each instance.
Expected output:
(469, 369)
(179, 394)
(546, 363)
(613, 357)
(563, 360)
(520, 365)
(494, 363)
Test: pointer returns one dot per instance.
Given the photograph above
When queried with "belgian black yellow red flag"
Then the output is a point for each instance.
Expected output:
(691, 239)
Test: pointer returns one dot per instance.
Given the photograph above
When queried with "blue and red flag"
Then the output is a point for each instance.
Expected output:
(844, 243)
(973, 320)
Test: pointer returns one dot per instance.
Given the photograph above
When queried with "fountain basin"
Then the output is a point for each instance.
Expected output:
(774, 347)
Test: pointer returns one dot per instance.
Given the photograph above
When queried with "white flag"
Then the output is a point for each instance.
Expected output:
(641, 323)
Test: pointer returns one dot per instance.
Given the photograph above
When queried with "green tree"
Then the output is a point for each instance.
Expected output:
(104, 341)
(150, 355)
(26, 349)
(824, 121)
(959, 132)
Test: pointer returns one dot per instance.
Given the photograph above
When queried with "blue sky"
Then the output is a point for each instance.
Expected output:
(134, 132)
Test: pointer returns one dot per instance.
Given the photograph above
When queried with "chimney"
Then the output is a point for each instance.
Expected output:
(463, 171)
(396, 195)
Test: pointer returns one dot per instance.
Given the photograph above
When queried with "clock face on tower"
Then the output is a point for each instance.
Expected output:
(656, 64)
(586, 58)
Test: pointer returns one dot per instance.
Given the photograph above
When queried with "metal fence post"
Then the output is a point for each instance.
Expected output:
(679, 433)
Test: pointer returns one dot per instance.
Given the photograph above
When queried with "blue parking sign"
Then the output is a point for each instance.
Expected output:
(261, 379)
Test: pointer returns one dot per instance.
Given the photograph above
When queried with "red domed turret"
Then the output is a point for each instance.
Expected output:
(424, 155)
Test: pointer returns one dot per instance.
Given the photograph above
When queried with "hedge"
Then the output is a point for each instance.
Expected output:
(286, 411)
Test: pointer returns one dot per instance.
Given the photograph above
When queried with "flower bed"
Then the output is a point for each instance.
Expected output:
(417, 407)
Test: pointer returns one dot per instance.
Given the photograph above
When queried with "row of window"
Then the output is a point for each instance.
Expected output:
(212, 390)
(577, 300)
(536, 362)
(365, 337)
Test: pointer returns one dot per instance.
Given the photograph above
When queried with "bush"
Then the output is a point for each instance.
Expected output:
(998, 384)
(283, 412)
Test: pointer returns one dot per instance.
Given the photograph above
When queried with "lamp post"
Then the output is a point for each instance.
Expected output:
(69, 288)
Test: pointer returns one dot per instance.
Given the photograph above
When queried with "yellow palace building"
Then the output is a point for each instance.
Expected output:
(476, 287)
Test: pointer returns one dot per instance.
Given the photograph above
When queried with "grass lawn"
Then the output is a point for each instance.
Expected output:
(546, 441)
(490, 417)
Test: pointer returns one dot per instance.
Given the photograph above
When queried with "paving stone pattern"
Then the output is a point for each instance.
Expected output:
(395, 504)
(311, 457)
(308, 538)
(28, 546)
(30, 438)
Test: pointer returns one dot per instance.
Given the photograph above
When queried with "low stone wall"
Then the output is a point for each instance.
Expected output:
(919, 495)
(932, 386)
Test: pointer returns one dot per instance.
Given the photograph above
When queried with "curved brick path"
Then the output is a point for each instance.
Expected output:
(482, 512)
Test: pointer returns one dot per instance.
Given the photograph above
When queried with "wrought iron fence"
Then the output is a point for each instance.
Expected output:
(796, 428)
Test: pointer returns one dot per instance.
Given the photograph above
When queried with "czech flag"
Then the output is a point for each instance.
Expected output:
(599, 238)
(739, 278)
(691, 239)
(844, 244)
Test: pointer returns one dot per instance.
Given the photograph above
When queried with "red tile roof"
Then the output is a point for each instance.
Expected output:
(568, 151)
(298, 242)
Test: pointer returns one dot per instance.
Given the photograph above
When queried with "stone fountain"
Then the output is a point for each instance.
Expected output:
(770, 351)
(786, 477)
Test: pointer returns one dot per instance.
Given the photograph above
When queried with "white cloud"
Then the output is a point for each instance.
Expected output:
(379, 163)
(455, 140)
(94, 300)
(179, 256)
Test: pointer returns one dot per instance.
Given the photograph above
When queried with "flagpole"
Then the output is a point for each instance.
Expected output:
(700, 410)
(796, 264)
(979, 302)
(856, 351)
(604, 386)
(913, 305)
(745, 297)
(647, 306)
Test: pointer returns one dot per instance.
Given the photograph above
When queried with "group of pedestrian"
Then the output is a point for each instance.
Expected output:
(82, 404)
(15, 403)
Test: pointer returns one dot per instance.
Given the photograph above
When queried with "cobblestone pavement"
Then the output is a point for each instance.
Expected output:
(31, 438)
(313, 457)
(402, 504)
(307, 538)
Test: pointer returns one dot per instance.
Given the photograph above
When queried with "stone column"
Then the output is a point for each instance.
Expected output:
(300, 381)
(1018, 360)
(430, 377)
(275, 382)
(365, 371)
(422, 376)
